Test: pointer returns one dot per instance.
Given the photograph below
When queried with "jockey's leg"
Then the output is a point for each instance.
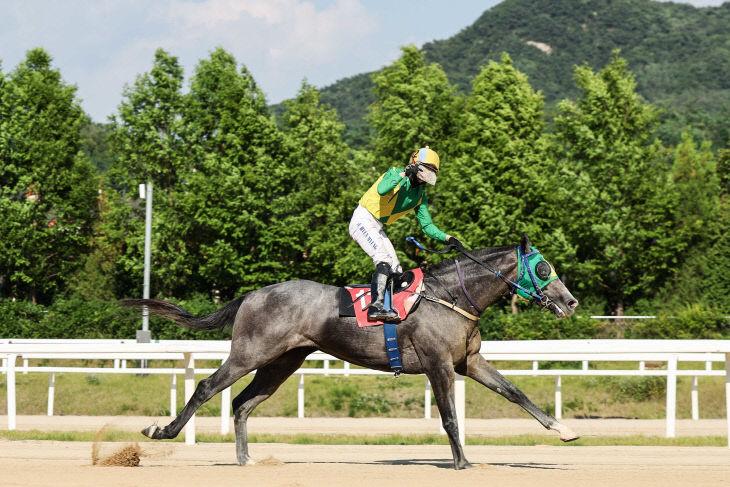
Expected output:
(376, 310)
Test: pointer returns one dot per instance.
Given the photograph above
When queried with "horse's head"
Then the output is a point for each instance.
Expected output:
(539, 278)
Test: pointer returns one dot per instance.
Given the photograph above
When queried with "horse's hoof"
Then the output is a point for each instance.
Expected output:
(566, 434)
(464, 465)
(151, 432)
(246, 461)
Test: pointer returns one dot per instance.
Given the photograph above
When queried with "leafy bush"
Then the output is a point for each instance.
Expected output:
(75, 318)
(691, 322)
(534, 324)
(632, 388)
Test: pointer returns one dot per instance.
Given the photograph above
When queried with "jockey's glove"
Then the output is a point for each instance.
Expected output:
(411, 171)
(454, 242)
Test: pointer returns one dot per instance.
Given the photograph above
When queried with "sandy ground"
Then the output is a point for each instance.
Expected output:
(61, 464)
(377, 426)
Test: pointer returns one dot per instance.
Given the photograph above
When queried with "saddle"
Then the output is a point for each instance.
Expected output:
(354, 299)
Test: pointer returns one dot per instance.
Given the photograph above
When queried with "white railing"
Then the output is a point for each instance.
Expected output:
(671, 352)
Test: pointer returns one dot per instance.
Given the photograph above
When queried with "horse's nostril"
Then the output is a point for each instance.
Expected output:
(573, 303)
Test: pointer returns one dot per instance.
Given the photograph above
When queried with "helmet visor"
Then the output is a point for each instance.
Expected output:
(426, 174)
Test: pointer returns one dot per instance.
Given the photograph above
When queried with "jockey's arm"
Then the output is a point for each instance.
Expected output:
(390, 180)
(427, 224)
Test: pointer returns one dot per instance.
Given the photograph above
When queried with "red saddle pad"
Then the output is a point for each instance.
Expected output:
(403, 300)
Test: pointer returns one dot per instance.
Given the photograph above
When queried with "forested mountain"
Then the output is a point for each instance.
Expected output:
(679, 54)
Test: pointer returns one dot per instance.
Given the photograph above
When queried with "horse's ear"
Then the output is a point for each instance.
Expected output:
(525, 244)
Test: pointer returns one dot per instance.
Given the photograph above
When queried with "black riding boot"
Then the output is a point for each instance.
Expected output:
(376, 310)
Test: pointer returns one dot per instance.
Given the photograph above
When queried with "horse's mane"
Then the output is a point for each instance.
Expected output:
(484, 253)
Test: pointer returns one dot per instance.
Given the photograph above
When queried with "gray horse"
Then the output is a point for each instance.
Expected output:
(276, 327)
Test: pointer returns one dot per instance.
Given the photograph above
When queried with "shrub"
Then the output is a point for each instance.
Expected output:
(632, 388)
(690, 322)
(76, 318)
(533, 324)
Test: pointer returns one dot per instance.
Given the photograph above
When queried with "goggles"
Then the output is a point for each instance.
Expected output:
(426, 174)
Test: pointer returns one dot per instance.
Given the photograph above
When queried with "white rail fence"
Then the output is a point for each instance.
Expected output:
(669, 352)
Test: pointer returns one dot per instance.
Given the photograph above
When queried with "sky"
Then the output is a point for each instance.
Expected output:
(102, 45)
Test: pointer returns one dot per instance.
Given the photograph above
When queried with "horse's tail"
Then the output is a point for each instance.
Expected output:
(165, 309)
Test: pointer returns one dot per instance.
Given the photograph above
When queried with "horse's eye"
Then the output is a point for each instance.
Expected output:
(543, 270)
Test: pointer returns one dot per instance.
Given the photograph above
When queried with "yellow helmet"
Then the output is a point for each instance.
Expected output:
(429, 162)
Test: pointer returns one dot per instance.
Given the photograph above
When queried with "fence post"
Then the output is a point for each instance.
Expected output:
(671, 396)
(225, 410)
(173, 396)
(189, 389)
(460, 399)
(727, 395)
(695, 400)
(427, 400)
(300, 397)
(51, 389)
(11, 391)
(558, 397)
(460, 403)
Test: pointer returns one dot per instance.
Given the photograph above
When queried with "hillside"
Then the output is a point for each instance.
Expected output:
(679, 54)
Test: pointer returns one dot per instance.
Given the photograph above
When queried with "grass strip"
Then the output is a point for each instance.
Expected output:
(317, 439)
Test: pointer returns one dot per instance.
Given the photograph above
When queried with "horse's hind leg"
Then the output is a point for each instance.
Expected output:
(266, 381)
(226, 375)
(441, 377)
(479, 369)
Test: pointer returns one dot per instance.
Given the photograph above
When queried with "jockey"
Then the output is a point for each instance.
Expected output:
(394, 194)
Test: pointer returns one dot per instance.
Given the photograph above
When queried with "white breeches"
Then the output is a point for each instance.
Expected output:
(368, 232)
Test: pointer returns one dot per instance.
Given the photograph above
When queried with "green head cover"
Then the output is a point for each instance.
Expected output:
(542, 272)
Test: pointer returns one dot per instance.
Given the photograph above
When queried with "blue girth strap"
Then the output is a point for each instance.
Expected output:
(391, 340)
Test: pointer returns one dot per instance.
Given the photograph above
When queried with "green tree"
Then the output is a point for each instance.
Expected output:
(325, 190)
(146, 138)
(414, 107)
(242, 183)
(614, 188)
(723, 170)
(697, 222)
(495, 184)
(48, 189)
(695, 179)
(95, 144)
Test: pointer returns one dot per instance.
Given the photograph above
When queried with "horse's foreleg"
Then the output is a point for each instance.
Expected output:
(442, 382)
(479, 369)
(266, 381)
(226, 375)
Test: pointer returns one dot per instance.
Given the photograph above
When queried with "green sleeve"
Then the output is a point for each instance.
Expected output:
(390, 180)
(424, 218)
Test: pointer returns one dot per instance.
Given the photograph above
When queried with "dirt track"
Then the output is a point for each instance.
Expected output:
(60, 464)
(67, 464)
